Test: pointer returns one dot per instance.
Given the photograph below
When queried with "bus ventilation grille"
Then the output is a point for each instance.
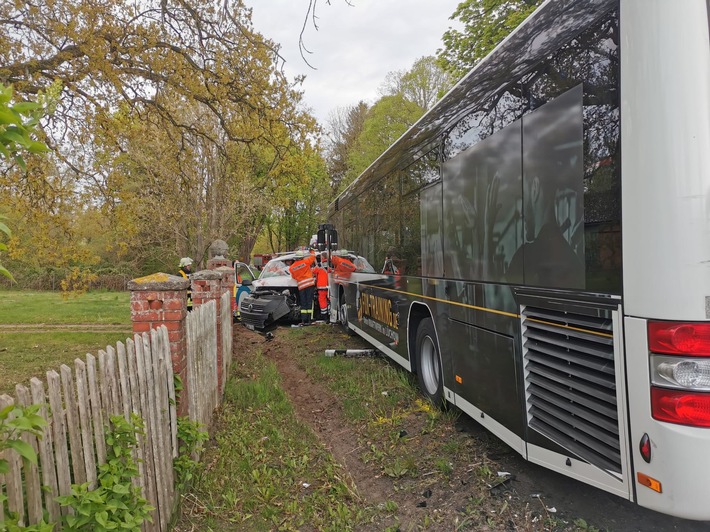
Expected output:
(571, 383)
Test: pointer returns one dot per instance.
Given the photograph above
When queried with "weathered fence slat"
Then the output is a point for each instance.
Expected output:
(61, 445)
(136, 407)
(191, 364)
(46, 457)
(32, 481)
(3, 482)
(155, 431)
(172, 399)
(214, 373)
(163, 411)
(87, 433)
(13, 478)
(133, 377)
(112, 381)
(96, 409)
(226, 317)
(151, 489)
(123, 380)
(102, 381)
(73, 428)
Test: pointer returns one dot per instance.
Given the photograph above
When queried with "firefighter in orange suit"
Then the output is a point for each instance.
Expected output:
(302, 273)
(322, 287)
(342, 266)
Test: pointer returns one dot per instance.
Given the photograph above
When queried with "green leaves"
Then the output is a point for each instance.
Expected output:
(115, 503)
(17, 127)
(14, 421)
(191, 437)
(385, 122)
(3, 247)
(485, 24)
(24, 449)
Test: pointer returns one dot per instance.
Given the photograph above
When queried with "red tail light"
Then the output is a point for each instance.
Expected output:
(680, 407)
(675, 338)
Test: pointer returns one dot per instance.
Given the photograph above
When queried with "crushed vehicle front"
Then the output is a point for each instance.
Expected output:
(273, 297)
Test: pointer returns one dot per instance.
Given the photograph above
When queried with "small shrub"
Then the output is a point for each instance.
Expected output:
(14, 421)
(115, 503)
(191, 438)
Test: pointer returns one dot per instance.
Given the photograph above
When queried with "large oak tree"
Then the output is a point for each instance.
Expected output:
(172, 119)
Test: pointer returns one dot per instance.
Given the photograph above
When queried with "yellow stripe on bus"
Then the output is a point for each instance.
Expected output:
(490, 310)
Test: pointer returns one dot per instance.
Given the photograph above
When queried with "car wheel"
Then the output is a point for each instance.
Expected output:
(429, 373)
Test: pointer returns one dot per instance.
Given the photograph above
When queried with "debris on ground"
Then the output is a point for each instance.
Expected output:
(351, 352)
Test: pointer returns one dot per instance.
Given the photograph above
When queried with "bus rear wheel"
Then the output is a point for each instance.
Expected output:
(343, 312)
(429, 372)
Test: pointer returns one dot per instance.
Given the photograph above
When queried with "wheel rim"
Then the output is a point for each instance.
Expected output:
(430, 370)
(344, 314)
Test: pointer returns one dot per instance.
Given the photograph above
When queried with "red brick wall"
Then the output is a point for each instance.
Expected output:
(161, 299)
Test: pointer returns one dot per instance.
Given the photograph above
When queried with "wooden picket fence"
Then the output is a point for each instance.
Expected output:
(203, 384)
(133, 377)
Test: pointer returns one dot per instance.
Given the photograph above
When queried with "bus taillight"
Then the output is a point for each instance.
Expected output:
(681, 407)
(675, 338)
(680, 385)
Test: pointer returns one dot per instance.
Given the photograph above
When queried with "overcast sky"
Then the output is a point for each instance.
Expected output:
(355, 46)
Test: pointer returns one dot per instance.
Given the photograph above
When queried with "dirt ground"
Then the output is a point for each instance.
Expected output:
(537, 499)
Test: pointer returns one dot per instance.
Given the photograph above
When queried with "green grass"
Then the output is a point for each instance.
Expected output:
(45, 345)
(262, 459)
(32, 307)
(26, 355)
(267, 470)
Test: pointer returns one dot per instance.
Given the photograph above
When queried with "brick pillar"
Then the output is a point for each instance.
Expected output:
(227, 279)
(207, 286)
(161, 299)
(216, 262)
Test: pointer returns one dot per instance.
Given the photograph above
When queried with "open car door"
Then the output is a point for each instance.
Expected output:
(243, 277)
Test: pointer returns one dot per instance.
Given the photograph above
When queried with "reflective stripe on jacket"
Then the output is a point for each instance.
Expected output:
(301, 272)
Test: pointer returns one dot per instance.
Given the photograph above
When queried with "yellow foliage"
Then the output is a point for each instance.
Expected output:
(175, 126)
(77, 282)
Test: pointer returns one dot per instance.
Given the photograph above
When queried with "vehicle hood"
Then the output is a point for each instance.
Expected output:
(279, 281)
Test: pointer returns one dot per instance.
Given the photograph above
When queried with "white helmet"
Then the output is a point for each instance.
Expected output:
(185, 261)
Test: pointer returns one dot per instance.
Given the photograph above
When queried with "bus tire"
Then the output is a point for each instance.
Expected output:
(429, 373)
(343, 314)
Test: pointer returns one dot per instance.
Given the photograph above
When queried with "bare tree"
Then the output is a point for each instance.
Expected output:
(344, 126)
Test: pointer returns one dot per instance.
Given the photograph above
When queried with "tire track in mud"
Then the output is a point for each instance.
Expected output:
(316, 406)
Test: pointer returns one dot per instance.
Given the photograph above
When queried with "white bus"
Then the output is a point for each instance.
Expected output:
(547, 231)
